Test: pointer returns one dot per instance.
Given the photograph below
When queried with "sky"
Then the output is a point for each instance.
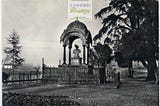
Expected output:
(40, 24)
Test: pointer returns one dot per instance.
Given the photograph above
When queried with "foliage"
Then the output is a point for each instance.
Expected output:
(13, 51)
(100, 54)
(120, 60)
(136, 23)
(37, 68)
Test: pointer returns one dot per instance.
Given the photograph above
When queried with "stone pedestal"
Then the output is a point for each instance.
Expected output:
(76, 61)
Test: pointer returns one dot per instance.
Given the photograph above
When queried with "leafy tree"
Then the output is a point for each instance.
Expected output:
(136, 23)
(13, 51)
(100, 55)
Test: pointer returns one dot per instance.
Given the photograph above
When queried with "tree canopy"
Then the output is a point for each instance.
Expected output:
(100, 54)
(136, 23)
(13, 51)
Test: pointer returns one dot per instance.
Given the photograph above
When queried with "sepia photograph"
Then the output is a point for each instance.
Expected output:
(80, 52)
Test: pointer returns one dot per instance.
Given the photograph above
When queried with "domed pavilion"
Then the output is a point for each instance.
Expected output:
(77, 69)
(76, 30)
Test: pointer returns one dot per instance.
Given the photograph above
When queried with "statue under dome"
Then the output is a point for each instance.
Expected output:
(76, 30)
(76, 51)
(76, 59)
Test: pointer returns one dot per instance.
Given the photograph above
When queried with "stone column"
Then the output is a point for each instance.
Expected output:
(70, 47)
(84, 54)
(64, 54)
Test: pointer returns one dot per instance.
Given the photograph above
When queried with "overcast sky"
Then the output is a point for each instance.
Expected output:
(40, 24)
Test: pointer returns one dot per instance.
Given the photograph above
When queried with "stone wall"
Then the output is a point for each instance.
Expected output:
(70, 74)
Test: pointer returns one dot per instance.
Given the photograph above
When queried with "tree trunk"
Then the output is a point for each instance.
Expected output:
(102, 75)
(130, 69)
(151, 69)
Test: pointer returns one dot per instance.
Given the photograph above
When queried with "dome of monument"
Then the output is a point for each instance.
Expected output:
(76, 30)
(77, 25)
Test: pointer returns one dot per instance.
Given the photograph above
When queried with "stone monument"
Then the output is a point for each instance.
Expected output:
(76, 68)
(76, 59)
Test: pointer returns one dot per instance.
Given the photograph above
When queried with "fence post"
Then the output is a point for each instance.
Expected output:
(19, 78)
(37, 75)
(43, 68)
(30, 74)
(50, 71)
(28, 78)
(23, 77)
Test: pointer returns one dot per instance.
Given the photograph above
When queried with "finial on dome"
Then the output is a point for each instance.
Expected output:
(77, 19)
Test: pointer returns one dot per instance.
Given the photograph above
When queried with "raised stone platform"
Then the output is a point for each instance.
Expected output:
(70, 74)
(76, 61)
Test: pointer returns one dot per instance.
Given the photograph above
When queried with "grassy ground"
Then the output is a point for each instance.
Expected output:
(132, 92)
